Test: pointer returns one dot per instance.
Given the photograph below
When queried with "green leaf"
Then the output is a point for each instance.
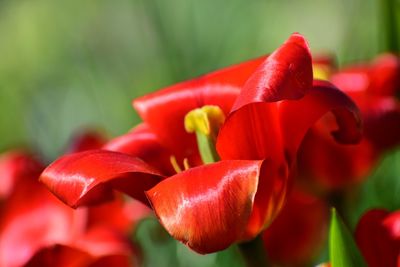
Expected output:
(343, 251)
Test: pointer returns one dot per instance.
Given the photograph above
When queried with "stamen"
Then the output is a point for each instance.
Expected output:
(186, 164)
(175, 164)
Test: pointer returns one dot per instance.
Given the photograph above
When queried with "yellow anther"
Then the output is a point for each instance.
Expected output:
(205, 120)
(321, 72)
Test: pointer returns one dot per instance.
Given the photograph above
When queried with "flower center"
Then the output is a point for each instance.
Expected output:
(205, 122)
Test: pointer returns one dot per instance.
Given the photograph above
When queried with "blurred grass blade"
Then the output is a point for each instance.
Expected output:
(390, 25)
(343, 251)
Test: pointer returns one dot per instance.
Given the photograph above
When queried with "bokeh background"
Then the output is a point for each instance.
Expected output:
(69, 64)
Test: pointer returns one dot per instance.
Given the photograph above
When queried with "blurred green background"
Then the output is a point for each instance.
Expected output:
(67, 64)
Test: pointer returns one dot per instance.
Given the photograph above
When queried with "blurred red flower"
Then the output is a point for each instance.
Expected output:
(329, 165)
(298, 233)
(269, 104)
(36, 229)
(378, 237)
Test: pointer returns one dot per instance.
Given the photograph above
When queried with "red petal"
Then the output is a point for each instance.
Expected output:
(252, 132)
(244, 137)
(33, 218)
(16, 166)
(275, 130)
(381, 78)
(381, 118)
(207, 207)
(298, 116)
(385, 75)
(375, 241)
(164, 110)
(102, 241)
(328, 165)
(61, 256)
(392, 225)
(285, 74)
(86, 140)
(67, 256)
(273, 185)
(299, 231)
(89, 177)
(141, 142)
(120, 214)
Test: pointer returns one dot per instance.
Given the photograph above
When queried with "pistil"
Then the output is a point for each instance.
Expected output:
(205, 122)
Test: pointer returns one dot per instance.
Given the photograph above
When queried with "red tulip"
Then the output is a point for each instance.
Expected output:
(209, 207)
(36, 229)
(378, 237)
(298, 233)
(23, 227)
(331, 165)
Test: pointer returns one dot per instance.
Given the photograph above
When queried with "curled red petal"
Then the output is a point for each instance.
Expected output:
(88, 177)
(285, 74)
(164, 110)
(141, 142)
(207, 207)
(298, 116)
(375, 239)
(275, 130)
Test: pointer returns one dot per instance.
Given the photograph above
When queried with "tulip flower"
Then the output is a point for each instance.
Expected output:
(231, 137)
(36, 229)
(329, 165)
(297, 235)
(378, 237)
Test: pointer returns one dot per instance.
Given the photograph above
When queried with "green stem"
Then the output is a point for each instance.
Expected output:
(254, 253)
(388, 14)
